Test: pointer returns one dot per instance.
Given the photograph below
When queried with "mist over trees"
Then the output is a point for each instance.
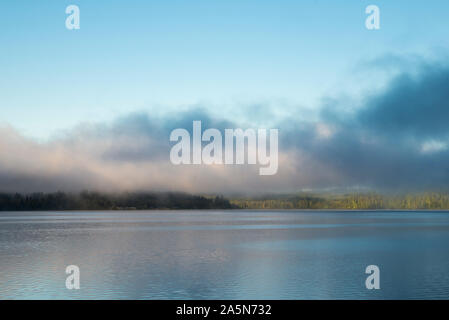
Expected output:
(103, 201)
(148, 201)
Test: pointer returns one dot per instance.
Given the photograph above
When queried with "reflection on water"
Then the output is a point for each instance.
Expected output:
(224, 254)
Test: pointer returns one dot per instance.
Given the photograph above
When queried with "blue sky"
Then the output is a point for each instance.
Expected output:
(158, 56)
(93, 108)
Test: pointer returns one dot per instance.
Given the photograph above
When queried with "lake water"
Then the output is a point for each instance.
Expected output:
(224, 254)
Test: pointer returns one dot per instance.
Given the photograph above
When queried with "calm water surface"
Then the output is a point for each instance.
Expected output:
(224, 254)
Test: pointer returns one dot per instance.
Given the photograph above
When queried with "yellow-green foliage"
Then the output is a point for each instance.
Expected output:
(348, 201)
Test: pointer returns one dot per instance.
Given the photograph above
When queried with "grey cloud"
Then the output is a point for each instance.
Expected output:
(417, 106)
(380, 145)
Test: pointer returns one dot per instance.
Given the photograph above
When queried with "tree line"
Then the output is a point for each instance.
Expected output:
(103, 201)
(88, 200)
(362, 201)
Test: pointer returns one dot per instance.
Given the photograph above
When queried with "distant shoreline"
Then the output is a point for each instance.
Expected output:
(233, 210)
(136, 201)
